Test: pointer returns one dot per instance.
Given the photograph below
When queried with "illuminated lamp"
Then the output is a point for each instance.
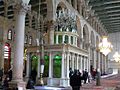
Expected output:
(105, 47)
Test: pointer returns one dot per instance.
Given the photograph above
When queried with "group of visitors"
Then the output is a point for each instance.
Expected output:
(32, 79)
(76, 78)
(5, 78)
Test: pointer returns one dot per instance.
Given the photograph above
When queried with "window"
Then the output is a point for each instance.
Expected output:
(30, 40)
(66, 39)
(26, 39)
(7, 51)
(9, 34)
(55, 39)
(71, 39)
(60, 39)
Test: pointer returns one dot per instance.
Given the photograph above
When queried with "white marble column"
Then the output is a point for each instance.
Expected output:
(73, 67)
(19, 46)
(105, 64)
(50, 65)
(28, 65)
(68, 82)
(94, 58)
(38, 70)
(69, 39)
(57, 39)
(68, 54)
(50, 81)
(62, 80)
(51, 37)
(63, 66)
(76, 41)
(80, 62)
(70, 61)
(87, 64)
(89, 57)
(77, 64)
(63, 39)
(101, 63)
(84, 62)
(99, 60)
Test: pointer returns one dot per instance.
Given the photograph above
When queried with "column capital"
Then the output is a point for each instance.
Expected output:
(51, 23)
(81, 39)
(22, 8)
(87, 45)
(92, 47)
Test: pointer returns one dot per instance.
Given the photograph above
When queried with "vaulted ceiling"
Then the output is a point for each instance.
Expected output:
(108, 12)
(39, 4)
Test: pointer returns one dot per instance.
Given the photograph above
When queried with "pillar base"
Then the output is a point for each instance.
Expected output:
(64, 82)
(20, 85)
(40, 82)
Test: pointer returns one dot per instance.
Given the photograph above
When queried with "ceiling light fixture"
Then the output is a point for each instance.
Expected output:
(116, 56)
(105, 47)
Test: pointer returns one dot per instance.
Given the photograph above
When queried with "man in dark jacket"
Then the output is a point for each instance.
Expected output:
(30, 84)
(75, 81)
(1, 74)
(70, 72)
(85, 75)
(33, 75)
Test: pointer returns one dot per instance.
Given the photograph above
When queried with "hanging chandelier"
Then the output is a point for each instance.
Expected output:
(116, 57)
(105, 47)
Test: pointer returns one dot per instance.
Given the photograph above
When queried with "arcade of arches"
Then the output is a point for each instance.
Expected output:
(69, 40)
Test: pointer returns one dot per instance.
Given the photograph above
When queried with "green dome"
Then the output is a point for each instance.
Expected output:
(57, 57)
(46, 57)
(34, 57)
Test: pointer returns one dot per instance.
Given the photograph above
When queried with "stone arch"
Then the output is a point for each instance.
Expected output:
(33, 22)
(92, 38)
(85, 35)
(27, 20)
(78, 23)
(60, 6)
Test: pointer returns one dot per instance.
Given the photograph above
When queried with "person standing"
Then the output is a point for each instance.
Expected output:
(1, 74)
(33, 75)
(5, 84)
(10, 74)
(30, 84)
(85, 76)
(75, 81)
(70, 72)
